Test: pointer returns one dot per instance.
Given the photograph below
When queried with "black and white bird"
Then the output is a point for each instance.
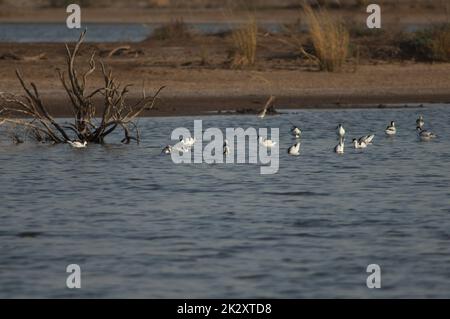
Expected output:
(77, 144)
(425, 135)
(340, 131)
(226, 149)
(296, 132)
(359, 144)
(188, 142)
(391, 130)
(366, 139)
(339, 149)
(167, 150)
(420, 123)
(294, 150)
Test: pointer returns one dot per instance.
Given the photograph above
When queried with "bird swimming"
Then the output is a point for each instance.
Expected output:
(189, 141)
(391, 130)
(425, 135)
(266, 142)
(340, 131)
(167, 150)
(339, 149)
(359, 144)
(296, 132)
(420, 122)
(226, 149)
(294, 150)
(77, 144)
(366, 139)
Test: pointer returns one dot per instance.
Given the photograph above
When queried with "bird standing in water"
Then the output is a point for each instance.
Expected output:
(226, 149)
(391, 130)
(294, 150)
(340, 131)
(77, 144)
(339, 149)
(420, 123)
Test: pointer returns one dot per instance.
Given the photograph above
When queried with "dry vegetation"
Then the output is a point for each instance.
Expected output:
(90, 123)
(245, 41)
(330, 39)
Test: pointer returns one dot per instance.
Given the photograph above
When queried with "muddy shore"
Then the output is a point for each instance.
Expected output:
(199, 79)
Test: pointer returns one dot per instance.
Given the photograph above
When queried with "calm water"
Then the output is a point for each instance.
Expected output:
(100, 32)
(115, 32)
(141, 226)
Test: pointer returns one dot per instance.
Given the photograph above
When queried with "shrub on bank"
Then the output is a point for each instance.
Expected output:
(432, 44)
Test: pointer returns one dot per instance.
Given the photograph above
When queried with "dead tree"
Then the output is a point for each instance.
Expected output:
(91, 124)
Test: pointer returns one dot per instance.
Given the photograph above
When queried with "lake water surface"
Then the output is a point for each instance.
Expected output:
(141, 226)
(119, 32)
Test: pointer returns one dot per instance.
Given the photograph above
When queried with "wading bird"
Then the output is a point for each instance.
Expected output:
(357, 144)
(340, 131)
(296, 131)
(294, 150)
(425, 135)
(188, 142)
(420, 122)
(339, 149)
(226, 149)
(391, 130)
(77, 144)
(266, 142)
(366, 139)
(167, 150)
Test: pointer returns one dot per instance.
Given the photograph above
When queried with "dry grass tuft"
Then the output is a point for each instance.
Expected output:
(245, 41)
(330, 39)
(440, 44)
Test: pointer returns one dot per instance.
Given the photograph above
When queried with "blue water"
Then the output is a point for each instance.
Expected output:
(98, 32)
(140, 226)
(116, 32)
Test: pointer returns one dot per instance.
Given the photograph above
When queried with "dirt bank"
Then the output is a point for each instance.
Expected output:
(198, 82)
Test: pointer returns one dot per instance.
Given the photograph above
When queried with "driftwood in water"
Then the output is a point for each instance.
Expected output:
(91, 124)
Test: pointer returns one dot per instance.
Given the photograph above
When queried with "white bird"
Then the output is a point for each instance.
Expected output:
(77, 144)
(390, 129)
(294, 149)
(188, 142)
(426, 135)
(357, 144)
(296, 132)
(340, 131)
(226, 149)
(167, 150)
(420, 122)
(266, 142)
(181, 147)
(339, 149)
(366, 139)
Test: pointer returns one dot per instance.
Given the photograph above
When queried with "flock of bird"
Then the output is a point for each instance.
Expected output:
(185, 144)
(365, 141)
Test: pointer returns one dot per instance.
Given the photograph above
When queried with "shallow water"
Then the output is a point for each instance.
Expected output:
(141, 226)
(118, 32)
(101, 32)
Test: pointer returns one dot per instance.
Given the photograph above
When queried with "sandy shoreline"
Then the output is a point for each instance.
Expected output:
(199, 80)
(193, 106)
